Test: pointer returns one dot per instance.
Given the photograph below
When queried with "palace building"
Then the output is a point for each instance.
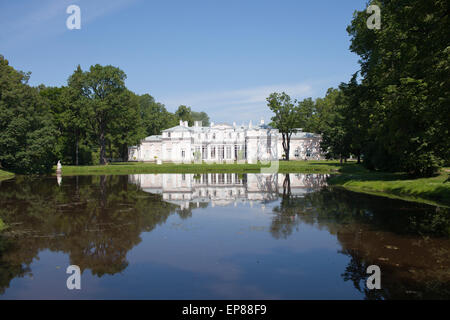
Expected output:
(224, 143)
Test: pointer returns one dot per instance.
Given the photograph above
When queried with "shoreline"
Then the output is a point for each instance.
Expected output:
(351, 176)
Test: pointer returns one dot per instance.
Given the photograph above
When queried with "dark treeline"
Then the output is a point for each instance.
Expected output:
(91, 120)
(393, 114)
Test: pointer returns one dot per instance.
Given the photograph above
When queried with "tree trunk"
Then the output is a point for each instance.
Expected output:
(102, 147)
(286, 187)
(124, 155)
(286, 145)
(359, 158)
(76, 149)
(110, 151)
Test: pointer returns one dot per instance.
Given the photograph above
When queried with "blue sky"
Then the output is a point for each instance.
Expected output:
(223, 57)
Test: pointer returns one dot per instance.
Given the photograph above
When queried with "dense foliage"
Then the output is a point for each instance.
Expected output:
(405, 85)
(92, 120)
(27, 132)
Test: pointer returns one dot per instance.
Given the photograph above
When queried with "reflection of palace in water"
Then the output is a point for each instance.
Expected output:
(225, 188)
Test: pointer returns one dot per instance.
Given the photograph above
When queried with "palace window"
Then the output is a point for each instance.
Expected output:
(213, 152)
(204, 152)
(182, 153)
(197, 153)
(228, 152)
(221, 153)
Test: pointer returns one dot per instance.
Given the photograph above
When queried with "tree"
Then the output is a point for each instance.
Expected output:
(285, 119)
(331, 124)
(155, 117)
(355, 113)
(129, 130)
(200, 116)
(405, 70)
(307, 115)
(65, 105)
(102, 89)
(27, 132)
(185, 114)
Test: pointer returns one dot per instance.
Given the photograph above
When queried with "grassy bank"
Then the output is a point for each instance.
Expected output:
(5, 175)
(139, 167)
(434, 190)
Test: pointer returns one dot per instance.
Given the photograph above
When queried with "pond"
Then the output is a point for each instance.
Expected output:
(216, 236)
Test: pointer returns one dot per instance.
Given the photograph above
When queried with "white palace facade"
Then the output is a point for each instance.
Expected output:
(224, 143)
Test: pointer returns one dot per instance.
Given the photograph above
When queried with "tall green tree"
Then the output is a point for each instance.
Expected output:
(155, 116)
(331, 124)
(355, 113)
(102, 89)
(185, 113)
(286, 118)
(307, 115)
(129, 130)
(405, 68)
(73, 134)
(27, 132)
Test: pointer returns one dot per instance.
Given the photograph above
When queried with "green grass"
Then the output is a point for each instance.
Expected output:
(434, 190)
(139, 167)
(5, 175)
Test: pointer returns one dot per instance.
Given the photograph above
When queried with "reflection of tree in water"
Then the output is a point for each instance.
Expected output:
(409, 241)
(285, 219)
(96, 220)
(186, 213)
(267, 184)
(312, 181)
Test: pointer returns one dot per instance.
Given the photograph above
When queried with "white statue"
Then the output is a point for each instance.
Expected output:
(58, 167)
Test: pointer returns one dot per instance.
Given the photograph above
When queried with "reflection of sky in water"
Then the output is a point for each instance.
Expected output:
(224, 252)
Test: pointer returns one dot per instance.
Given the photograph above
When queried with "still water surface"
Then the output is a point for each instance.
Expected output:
(216, 236)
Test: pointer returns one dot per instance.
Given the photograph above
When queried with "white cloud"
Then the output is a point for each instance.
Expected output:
(241, 96)
(241, 104)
